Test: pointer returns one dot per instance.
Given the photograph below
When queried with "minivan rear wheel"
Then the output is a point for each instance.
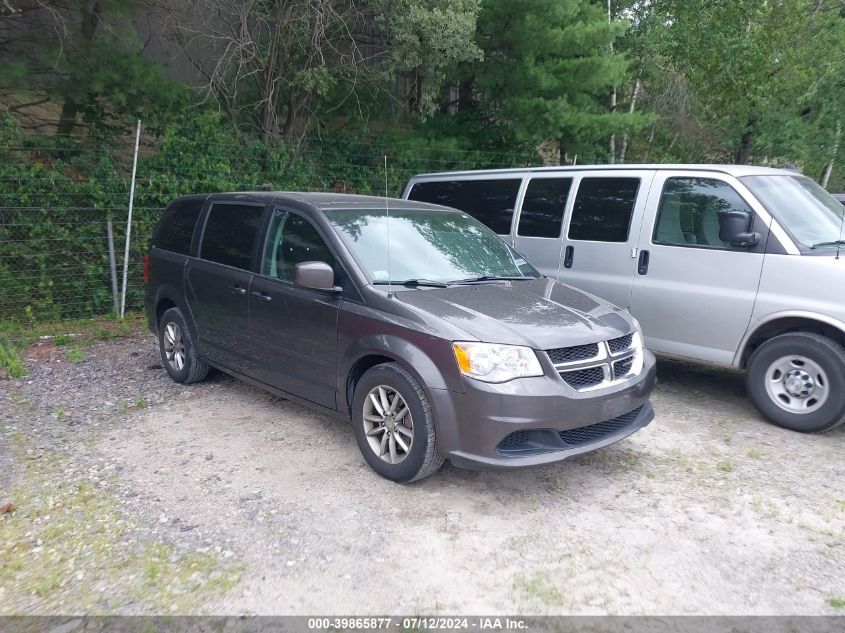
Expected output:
(178, 353)
(394, 424)
(797, 381)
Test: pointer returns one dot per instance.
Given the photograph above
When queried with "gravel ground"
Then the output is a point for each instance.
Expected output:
(137, 495)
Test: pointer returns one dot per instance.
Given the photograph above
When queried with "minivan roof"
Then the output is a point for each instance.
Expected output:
(733, 170)
(326, 200)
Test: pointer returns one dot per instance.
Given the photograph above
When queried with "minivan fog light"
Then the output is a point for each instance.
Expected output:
(496, 363)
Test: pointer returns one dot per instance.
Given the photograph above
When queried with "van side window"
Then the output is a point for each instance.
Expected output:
(543, 207)
(689, 211)
(230, 234)
(491, 202)
(175, 230)
(292, 240)
(603, 209)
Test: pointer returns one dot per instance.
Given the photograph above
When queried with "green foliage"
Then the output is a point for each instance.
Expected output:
(10, 360)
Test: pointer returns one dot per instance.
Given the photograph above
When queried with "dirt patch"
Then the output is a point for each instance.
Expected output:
(707, 510)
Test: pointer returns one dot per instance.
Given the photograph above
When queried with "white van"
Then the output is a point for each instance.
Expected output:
(735, 266)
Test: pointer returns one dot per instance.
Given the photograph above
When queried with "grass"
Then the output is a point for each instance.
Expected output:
(69, 547)
(82, 332)
(11, 362)
(539, 588)
(75, 355)
(836, 602)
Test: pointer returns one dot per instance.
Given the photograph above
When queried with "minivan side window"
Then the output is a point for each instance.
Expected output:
(543, 207)
(230, 234)
(292, 240)
(175, 230)
(689, 212)
(603, 209)
(491, 202)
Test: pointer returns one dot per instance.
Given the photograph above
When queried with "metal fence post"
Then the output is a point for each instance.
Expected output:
(129, 220)
(113, 266)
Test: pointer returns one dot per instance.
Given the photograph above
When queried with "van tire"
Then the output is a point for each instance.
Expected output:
(193, 368)
(422, 459)
(814, 357)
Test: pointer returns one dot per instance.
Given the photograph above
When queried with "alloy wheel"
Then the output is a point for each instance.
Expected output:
(388, 424)
(174, 346)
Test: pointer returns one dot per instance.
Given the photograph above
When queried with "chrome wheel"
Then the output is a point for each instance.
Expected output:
(388, 425)
(174, 346)
(797, 384)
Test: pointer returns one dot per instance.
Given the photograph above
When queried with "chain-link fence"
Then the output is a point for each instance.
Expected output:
(64, 202)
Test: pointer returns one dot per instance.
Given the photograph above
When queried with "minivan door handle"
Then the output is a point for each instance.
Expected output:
(237, 290)
(260, 296)
(642, 267)
(568, 256)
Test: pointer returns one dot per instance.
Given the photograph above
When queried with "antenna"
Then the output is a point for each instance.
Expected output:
(387, 213)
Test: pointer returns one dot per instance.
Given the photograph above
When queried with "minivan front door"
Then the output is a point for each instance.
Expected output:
(694, 294)
(217, 283)
(602, 232)
(293, 330)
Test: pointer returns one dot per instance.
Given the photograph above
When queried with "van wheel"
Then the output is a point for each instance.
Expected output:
(798, 381)
(394, 425)
(178, 353)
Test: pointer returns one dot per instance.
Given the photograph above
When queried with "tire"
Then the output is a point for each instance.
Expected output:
(191, 368)
(798, 382)
(397, 464)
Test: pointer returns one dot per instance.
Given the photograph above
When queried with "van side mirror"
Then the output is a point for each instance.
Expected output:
(314, 275)
(733, 228)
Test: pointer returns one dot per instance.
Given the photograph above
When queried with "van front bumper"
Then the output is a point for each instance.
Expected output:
(533, 421)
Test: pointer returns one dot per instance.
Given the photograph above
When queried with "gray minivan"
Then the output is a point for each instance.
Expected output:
(735, 266)
(436, 338)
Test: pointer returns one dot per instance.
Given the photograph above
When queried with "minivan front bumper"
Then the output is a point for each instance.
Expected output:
(532, 421)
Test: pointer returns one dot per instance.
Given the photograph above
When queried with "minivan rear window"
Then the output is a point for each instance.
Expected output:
(543, 207)
(603, 209)
(230, 234)
(175, 230)
(491, 202)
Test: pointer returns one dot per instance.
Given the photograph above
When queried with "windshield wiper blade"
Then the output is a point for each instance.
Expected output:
(833, 243)
(412, 283)
(482, 278)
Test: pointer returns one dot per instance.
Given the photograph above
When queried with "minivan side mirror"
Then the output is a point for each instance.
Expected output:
(314, 275)
(733, 228)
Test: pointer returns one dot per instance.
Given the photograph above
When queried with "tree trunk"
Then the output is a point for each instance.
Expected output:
(743, 152)
(633, 105)
(613, 96)
(828, 169)
(90, 19)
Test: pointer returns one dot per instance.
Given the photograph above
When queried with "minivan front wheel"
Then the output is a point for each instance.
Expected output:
(178, 353)
(798, 381)
(394, 424)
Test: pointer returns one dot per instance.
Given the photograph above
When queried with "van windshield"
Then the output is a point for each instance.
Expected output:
(805, 209)
(426, 246)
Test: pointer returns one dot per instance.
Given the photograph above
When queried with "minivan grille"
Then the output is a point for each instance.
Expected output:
(597, 432)
(620, 344)
(573, 354)
(621, 368)
(583, 378)
(534, 441)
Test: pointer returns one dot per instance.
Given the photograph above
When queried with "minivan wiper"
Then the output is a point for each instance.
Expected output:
(833, 243)
(482, 278)
(412, 283)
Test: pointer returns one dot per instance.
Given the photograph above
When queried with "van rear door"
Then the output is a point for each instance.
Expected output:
(603, 231)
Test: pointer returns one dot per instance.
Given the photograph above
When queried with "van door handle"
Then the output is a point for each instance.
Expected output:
(237, 290)
(568, 256)
(642, 267)
(260, 296)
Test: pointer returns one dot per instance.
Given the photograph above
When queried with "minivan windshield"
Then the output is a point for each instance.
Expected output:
(805, 209)
(427, 247)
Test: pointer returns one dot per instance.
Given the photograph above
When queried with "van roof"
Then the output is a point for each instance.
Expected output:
(733, 170)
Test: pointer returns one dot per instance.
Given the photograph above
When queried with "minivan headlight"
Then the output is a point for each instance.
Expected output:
(639, 358)
(496, 363)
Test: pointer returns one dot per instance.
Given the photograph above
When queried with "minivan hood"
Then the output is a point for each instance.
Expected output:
(540, 313)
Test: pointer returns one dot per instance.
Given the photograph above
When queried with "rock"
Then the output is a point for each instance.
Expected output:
(7, 506)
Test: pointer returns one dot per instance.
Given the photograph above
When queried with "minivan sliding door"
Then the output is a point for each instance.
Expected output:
(602, 232)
